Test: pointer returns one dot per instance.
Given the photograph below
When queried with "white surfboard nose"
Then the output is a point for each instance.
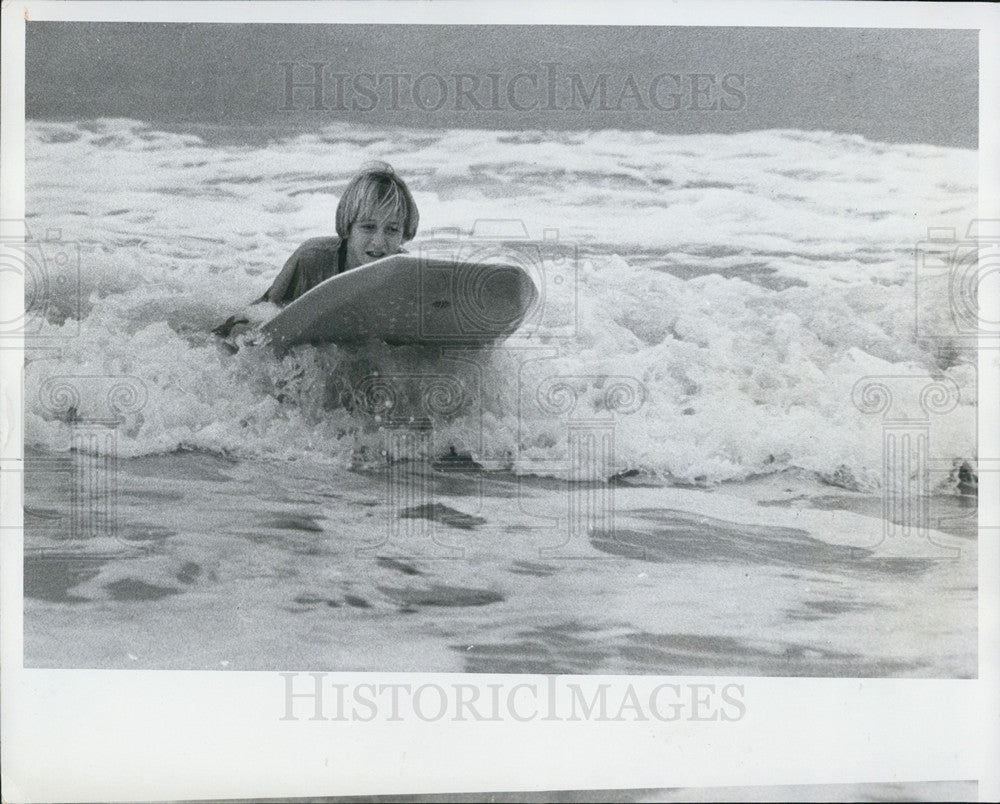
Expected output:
(497, 297)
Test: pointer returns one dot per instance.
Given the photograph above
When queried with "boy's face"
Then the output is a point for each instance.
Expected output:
(373, 236)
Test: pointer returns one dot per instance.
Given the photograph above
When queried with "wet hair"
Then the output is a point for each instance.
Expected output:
(377, 190)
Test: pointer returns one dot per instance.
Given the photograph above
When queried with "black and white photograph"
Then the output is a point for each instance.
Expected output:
(363, 347)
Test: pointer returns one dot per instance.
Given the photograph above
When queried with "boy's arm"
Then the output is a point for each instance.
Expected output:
(286, 280)
(305, 269)
(282, 290)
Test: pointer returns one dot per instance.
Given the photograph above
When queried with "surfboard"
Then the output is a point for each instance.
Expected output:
(408, 299)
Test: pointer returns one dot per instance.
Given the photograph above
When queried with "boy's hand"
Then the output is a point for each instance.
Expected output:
(239, 328)
(229, 327)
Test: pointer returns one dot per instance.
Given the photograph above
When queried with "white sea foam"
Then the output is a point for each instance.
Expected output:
(737, 286)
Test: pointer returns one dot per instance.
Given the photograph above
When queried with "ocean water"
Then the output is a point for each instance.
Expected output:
(711, 309)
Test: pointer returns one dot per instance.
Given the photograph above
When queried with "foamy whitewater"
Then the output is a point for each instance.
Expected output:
(734, 288)
(708, 306)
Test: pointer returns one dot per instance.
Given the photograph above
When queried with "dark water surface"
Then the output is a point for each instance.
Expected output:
(214, 563)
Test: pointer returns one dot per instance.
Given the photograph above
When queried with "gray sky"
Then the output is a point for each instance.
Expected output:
(886, 84)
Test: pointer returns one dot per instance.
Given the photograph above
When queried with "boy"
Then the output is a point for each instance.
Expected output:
(375, 216)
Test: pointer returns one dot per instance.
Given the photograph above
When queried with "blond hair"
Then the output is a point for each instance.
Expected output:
(377, 190)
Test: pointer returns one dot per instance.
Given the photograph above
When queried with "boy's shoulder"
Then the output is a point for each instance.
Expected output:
(317, 253)
(331, 242)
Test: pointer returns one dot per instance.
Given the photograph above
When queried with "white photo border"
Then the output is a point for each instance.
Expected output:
(73, 735)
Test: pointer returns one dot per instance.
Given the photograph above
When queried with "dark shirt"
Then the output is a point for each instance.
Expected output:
(313, 262)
